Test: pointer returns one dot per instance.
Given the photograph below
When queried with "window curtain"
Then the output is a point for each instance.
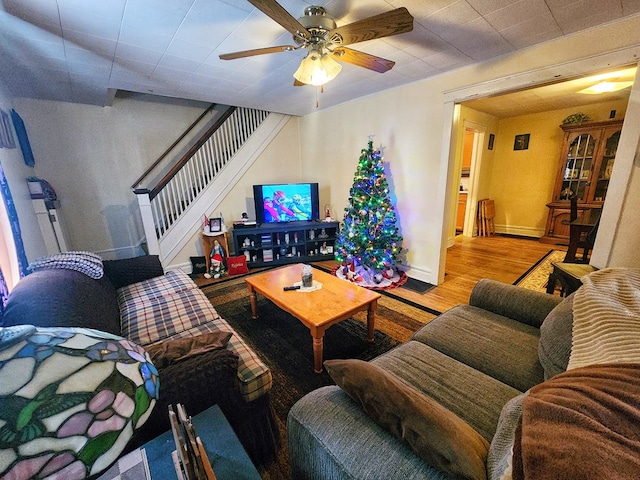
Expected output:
(4, 293)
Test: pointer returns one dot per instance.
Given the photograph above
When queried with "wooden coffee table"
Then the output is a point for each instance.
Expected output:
(337, 300)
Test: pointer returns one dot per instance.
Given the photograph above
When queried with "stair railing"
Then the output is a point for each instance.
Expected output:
(162, 205)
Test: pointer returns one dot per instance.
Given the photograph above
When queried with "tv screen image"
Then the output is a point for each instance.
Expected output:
(286, 202)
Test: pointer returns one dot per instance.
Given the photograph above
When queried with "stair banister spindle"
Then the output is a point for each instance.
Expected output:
(193, 174)
(210, 159)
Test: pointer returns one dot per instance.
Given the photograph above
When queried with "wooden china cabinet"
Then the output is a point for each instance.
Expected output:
(584, 170)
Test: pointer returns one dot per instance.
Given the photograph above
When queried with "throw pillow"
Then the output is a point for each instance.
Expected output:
(170, 352)
(237, 265)
(554, 348)
(198, 265)
(126, 271)
(432, 431)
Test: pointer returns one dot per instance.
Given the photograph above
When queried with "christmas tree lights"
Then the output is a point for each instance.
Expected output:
(369, 237)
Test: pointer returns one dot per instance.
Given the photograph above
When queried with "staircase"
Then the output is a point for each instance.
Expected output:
(205, 164)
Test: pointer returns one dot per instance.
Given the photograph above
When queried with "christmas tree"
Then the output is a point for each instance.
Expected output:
(369, 236)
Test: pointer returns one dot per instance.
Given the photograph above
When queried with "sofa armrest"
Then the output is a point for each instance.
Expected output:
(526, 306)
(132, 270)
(197, 383)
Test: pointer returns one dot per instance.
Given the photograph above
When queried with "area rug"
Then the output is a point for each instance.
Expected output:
(285, 345)
(537, 277)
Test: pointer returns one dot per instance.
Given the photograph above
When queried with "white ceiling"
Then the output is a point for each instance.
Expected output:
(555, 96)
(84, 51)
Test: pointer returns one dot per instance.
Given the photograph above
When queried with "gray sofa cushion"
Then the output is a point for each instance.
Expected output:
(498, 346)
(470, 394)
(554, 348)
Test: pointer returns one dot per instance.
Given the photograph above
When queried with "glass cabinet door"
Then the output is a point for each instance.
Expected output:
(578, 167)
(606, 166)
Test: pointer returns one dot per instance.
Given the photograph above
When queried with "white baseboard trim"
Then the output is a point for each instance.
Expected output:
(519, 230)
(425, 275)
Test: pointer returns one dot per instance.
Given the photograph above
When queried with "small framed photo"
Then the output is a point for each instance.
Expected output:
(215, 224)
(521, 142)
(492, 138)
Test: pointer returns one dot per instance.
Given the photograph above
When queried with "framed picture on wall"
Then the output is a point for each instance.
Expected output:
(215, 224)
(492, 138)
(521, 142)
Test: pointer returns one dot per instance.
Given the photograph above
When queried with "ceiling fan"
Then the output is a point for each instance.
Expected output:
(325, 42)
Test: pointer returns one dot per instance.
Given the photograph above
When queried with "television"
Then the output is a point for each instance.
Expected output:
(286, 202)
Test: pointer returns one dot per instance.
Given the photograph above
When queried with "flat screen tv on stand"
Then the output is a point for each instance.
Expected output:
(286, 202)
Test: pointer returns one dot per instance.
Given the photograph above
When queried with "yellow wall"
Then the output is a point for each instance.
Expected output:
(522, 181)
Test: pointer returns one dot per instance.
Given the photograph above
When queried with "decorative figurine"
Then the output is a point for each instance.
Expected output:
(216, 270)
(217, 248)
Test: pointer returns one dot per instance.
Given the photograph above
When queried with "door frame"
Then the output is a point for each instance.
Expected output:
(479, 133)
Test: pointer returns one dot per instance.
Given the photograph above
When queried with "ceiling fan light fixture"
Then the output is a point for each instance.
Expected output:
(317, 69)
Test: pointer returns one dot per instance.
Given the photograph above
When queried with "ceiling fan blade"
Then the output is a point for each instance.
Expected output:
(273, 9)
(361, 59)
(383, 25)
(256, 51)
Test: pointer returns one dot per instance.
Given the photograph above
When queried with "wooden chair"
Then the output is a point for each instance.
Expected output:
(486, 214)
(581, 236)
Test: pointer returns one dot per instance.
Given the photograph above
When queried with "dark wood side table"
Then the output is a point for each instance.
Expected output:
(569, 275)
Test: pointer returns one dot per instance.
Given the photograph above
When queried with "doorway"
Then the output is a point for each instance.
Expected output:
(473, 140)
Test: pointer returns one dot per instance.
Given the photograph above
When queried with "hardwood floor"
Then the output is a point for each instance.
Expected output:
(498, 257)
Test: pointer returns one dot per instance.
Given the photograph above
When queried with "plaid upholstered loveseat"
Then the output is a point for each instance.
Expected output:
(136, 299)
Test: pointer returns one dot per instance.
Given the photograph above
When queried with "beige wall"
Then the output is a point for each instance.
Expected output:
(92, 155)
(414, 124)
(407, 126)
(277, 164)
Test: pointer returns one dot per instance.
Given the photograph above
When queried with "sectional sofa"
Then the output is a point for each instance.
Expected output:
(517, 384)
